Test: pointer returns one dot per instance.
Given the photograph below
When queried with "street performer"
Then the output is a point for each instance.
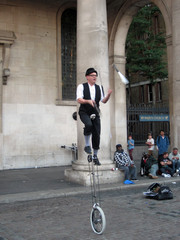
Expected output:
(89, 95)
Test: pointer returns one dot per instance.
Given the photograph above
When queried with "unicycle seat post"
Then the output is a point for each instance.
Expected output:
(97, 217)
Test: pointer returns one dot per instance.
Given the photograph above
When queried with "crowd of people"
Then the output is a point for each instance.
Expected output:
(165, 164)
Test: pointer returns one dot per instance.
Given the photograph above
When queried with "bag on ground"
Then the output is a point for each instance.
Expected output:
(158, 192)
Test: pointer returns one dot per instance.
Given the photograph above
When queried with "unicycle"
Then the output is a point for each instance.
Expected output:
(97, 217)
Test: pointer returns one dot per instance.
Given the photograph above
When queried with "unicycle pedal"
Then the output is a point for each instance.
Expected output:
(89, 158)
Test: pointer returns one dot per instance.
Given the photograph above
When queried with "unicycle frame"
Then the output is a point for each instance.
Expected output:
(97, 216)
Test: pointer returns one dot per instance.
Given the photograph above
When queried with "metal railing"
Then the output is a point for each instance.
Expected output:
(140, 129)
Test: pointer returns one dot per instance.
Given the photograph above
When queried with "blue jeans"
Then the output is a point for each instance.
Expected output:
(176, 165)
(153, 169)
(166, 170)
(130, 172)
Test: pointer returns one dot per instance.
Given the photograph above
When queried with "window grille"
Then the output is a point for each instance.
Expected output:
(68, 54)
(150, 93)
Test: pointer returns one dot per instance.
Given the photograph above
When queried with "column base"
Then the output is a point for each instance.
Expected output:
(79, 173)
(1, 151)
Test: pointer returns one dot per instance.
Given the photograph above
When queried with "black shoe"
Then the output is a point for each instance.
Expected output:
(134, 179)
(96, 160)
(88, 150)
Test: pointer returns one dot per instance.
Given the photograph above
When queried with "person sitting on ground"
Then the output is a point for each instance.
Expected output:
(174, 156)
(149, 166)
(124, 163)
(153, 166)
(166, 166)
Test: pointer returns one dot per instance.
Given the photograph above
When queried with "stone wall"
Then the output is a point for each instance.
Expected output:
(33, 126)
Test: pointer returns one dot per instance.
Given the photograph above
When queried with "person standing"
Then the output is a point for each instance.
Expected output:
(162, 143)
(130, 146)
(89, 95)
(150, 144)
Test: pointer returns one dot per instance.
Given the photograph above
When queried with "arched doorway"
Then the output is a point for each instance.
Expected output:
(117, 41)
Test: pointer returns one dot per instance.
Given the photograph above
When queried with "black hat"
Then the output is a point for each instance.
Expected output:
(118, 145)
(90, 70)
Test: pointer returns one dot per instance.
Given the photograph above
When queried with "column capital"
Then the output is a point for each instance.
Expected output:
(118, 59)
(7, 37)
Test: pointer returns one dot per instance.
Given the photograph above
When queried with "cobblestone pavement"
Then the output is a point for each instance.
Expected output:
(129, 215)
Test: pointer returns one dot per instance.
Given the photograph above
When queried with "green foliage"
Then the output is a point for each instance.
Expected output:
(145, 50)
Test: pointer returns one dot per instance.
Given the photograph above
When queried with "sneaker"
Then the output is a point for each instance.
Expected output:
(128, 182)
(96, 160)
(154, 177)
(175, 174)
(166, 175)
(150, 175)
(134, 179)
(88, 150)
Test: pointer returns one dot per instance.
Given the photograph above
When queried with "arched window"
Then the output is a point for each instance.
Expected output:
(68, 54)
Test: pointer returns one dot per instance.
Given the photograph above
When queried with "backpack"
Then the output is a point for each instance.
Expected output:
(145, 164)
(158, 192)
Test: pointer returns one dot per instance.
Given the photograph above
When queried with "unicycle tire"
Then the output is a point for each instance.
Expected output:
(98, 220)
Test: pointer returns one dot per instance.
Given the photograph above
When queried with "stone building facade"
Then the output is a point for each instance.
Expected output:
(34, 119)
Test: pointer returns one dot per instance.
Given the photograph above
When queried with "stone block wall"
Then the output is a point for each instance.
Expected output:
(33, 126)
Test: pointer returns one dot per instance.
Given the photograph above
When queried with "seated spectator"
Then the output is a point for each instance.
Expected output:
(149, 166)
(153, 166)
(124, 163)
(166, 166)
(174, 156)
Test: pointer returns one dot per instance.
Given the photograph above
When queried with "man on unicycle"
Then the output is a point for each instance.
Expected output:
(89, 95)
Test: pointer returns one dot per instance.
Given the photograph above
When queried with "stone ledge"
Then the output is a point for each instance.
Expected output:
(83, 177)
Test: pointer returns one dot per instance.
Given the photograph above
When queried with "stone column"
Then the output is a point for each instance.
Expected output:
(92, 51)
(120, 103)
(7, 38)
(120, 128)
(175, 87)
(1, 86)
(171, 88)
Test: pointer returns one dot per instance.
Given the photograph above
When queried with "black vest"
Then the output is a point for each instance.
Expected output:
(86, 92)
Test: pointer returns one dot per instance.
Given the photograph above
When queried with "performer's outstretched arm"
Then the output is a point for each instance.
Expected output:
(107, 96)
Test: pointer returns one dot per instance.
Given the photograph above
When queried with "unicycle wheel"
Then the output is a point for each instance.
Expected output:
(98, 220)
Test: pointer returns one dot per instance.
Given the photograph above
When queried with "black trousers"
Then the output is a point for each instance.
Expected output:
(91, 127)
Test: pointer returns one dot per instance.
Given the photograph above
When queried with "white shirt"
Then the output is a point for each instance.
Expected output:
(80, 92)
(152, 142)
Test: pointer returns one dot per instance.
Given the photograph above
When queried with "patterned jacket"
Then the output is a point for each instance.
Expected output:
(122, 158)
